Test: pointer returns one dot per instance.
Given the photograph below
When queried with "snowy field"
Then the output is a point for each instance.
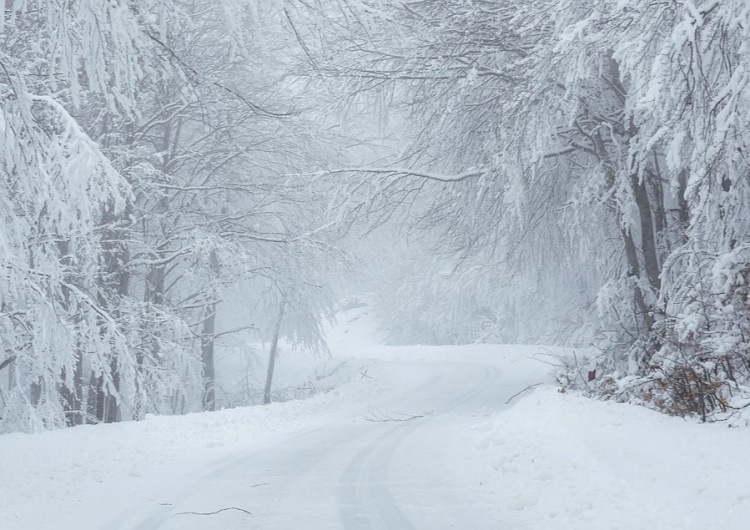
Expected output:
(404, 437)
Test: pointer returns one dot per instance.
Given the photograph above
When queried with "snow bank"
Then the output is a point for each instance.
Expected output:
(562, 461)
(92, 471)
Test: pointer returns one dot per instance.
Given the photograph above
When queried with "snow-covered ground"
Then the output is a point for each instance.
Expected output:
(566, 462)
(410, 437)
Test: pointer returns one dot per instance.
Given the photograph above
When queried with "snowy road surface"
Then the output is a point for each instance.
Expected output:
(410, 438)
(399, 464)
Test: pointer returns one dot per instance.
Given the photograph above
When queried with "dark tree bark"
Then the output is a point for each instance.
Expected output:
(114, 285)
(71, 396)
(684, 208)
(648, 237)
(634, 271)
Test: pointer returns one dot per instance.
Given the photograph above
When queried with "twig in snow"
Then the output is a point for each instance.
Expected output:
(380, 418)
(212, 513)
(522, 391)
(393, 419)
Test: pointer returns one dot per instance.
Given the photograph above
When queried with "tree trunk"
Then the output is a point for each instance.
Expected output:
(10, 364)
(634, 271)
(71, 392)
(272, 357)
(684, 208)
(114, 285)
(207, 356)
(153, 294)
(648, 237)
(35, 393)
(102, 401)
(72, 398)
(208, 338)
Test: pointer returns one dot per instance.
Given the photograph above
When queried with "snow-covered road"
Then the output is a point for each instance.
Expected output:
(411, 438)
(394, 438)
(398, 464)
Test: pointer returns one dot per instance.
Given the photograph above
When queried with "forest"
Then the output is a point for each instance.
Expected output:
(182, 178)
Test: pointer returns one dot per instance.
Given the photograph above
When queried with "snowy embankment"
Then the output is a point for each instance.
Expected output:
(562, 461)
(88, 473)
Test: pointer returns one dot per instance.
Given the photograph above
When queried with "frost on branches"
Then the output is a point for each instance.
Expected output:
(55, 184)
(140, 155)
(686, 71)
(609, 147)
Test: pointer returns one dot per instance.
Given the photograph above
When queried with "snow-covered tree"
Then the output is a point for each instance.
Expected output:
(144, 151)
(56, 186)
(593, 151)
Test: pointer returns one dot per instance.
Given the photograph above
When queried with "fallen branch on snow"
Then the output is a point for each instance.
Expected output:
(522, 391)
(212, 513)
(380, 418)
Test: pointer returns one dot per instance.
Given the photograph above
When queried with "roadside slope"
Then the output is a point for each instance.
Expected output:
(565, 462)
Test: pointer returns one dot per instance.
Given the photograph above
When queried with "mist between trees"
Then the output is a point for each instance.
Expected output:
(569, 171)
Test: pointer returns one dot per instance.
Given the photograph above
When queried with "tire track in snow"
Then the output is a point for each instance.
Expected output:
(364, 495)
